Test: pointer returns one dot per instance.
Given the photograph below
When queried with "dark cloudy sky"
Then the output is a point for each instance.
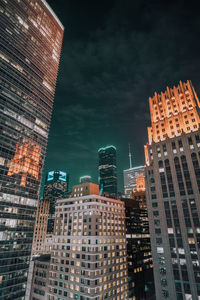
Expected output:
(115, 54)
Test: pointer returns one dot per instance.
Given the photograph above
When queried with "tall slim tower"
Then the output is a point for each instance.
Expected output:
(108, 169)
(173, 191)
(30, 45)
(56, 187)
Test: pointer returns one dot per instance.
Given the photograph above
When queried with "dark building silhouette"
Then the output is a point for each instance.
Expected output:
(173, 191)
(30, 44)
(39, 284)
(56, 187)
(108, 170)
(139, 257)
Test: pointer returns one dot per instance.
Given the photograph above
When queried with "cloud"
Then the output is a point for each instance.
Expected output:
(114, 57)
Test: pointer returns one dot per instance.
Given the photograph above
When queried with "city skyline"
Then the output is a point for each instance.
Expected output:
(120, 211)
(114, 57)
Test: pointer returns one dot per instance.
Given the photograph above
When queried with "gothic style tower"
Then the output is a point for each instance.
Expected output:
(173, 191)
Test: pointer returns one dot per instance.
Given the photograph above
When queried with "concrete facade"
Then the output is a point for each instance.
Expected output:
(88, 258)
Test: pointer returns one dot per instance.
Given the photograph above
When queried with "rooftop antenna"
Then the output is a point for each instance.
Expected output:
(130, 159)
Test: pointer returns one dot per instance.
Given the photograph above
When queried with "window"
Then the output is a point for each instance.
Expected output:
(156, 213)
(157, 222)
(160, 250)
(159, 241)
(158, 231)
(164, 282)
(162, 271)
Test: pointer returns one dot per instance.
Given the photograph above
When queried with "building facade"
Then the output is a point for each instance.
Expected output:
(56, 187)
(30, 44)
(173, 192)
(40, 230)
(108, 170)
(40, 277)
(88, 258)
(140, 266)
(130, 176)
(139, 194)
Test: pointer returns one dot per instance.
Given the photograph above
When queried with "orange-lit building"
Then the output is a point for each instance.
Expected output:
(173, 191)
(83, 189)
(26, 160)
(139, 195)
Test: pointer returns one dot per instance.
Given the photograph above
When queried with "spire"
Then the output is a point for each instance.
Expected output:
(130, 160)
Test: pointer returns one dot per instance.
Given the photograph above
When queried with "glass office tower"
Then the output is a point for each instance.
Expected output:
(130, 176)
(30, 44)
(108, 170)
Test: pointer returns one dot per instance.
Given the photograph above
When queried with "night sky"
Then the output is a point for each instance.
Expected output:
(115, 55)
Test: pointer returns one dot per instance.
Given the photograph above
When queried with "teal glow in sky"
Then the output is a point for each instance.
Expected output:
(115, 55)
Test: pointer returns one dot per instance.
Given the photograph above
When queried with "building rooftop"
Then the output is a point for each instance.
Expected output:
(53, 14)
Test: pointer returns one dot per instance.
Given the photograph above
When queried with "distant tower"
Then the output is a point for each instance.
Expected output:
(173, 191)
(139, 194)
(56, 187)
(130, 176)
(130, 159)
(108, 169)
(86, 178)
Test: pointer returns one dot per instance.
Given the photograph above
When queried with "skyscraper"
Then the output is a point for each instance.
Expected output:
(140, 267)
(139, 194)
(30, 44)
(173, 191)
(39, 283)
(88, 259)
(130, 176)
(56, 187)
(108, 170)
(40, 229)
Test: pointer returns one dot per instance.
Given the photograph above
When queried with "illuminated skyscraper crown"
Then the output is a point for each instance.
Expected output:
(173, 112)
(140, 181)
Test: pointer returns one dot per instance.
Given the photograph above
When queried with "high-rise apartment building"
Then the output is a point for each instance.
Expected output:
(130, 176)
(88, 258)
(108, 170)
(30, 44)
(56, 187)
(173, 191)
